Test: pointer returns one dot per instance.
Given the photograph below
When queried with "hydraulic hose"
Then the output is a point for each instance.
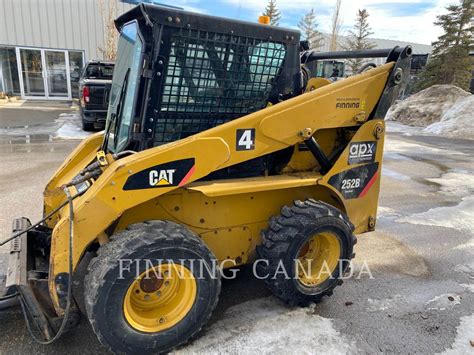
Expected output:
(24, 306)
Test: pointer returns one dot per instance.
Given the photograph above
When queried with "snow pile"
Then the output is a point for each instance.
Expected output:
(427, 106)
(266, 326)
(457, 121)
(70, 126)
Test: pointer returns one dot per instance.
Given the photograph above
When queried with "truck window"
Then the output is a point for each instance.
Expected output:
(99, 71)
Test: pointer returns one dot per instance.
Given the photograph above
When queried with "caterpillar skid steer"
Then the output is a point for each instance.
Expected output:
(221, 149)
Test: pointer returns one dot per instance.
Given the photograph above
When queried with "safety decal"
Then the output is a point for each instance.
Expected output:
(355, 182)
(245, 139)
(174, 173)
(362, 152)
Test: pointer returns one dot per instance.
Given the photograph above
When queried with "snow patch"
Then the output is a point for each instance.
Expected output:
(466, 246)
(70, 127)
(266, 326)
(396, 127)
(466, 269)
(457, 121)
(387, 212)
(395, 156)
(443, 302)
(457, 183)
(459, 217)
(469, 287)
(375, 305)
(399, 146)
(464, 336)
(393, 174)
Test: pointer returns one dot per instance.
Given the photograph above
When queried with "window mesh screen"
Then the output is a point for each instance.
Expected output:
(212, 78)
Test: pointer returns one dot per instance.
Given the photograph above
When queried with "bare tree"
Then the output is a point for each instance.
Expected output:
(336, 26)
(308, 27)
(108, 11)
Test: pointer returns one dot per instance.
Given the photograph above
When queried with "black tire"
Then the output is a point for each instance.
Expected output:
(87, 126)
(282, 243)
(104, 292)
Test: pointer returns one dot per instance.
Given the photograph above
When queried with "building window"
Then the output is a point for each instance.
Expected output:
(9, 82)
(76, 65)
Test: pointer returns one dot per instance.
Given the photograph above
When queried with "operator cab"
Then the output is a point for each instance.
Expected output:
(179, 73)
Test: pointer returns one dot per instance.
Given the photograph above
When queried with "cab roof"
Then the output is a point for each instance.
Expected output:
(175, 17)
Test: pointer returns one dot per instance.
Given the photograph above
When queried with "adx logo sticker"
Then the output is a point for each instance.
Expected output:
(362, 152)
(175, 173)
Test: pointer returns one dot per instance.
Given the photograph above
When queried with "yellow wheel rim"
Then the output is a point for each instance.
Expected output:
(160, 298)
(318, 258)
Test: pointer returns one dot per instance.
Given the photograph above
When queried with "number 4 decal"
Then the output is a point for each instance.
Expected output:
(245, 139)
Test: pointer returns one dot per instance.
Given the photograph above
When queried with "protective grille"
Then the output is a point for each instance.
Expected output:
(212, 78)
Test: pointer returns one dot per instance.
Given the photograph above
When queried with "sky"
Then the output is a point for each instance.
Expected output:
(403, 20)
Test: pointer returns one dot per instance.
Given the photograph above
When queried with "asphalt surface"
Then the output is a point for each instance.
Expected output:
(420, 256)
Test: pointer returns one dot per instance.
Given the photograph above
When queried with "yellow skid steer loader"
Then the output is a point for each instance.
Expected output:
(221, 149)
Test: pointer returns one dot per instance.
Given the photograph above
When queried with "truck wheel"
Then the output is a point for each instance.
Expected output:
(150, 288)
(304, 252)
(88, 127)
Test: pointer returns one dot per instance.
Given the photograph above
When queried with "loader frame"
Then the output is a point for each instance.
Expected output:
(166, 181)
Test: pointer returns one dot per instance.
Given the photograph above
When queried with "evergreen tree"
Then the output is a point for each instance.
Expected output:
(358, 39)
(308, 27)
(272, 11)
(450, 62)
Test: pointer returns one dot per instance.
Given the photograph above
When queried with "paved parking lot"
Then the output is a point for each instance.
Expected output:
(420, 299)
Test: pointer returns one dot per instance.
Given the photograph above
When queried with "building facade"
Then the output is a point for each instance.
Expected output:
(45, 43)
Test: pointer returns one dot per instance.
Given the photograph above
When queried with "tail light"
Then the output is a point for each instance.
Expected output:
(86, 94)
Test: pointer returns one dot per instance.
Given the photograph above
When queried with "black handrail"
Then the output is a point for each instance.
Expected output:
(311, 56)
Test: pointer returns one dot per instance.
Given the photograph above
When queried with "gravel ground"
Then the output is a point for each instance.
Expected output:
(418, 300)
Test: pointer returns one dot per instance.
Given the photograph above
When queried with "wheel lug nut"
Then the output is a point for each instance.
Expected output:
(167, 283)
(147, 297)
(162, 320)
(158, 293)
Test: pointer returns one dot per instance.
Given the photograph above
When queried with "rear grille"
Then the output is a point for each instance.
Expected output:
(212, 78)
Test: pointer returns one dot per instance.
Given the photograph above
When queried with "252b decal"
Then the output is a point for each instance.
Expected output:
(355, 182)
(350, 184)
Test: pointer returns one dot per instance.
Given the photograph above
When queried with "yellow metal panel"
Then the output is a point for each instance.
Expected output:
(262, 183)
(230, 225)
(316, 83)
(318, 109)
(361, 209)
(80, 157)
